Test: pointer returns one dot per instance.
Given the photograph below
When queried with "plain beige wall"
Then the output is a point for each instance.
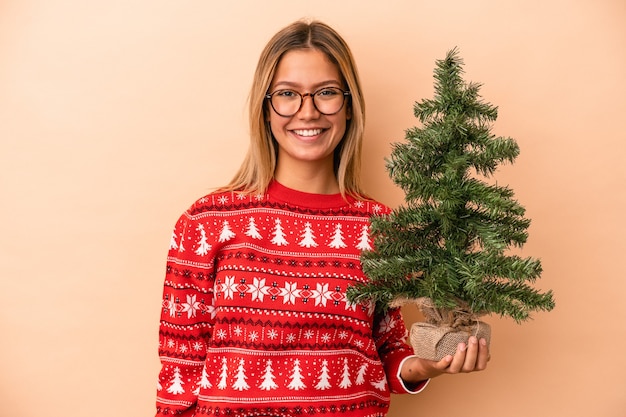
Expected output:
(116, 115)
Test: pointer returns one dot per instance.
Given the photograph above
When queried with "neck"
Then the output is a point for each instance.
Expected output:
(308, 178)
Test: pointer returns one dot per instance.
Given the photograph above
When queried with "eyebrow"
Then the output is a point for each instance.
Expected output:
(315, 86)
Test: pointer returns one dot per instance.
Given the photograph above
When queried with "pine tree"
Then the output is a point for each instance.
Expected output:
(253, 230)
(176, 386)
(380, 384)
(223, 375)
(173, 244)
(345, 376)
(337, 241)
(360, 377)
(226, 234)
(364, 240)
(449, 242)
(203, 245)
(268, 378)
(204, 382)
(240, 378)
(296, 377)
(308, 239)
(279, 234)
(324, 378)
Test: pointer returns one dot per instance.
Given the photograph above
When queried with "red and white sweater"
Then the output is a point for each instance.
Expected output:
(255, 320)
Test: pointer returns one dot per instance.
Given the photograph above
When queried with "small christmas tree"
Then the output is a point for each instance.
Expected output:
(445, 248)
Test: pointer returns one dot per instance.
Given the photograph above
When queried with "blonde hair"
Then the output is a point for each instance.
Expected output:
(257, 169)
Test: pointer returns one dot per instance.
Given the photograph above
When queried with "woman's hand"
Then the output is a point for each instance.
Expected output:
(469, 357)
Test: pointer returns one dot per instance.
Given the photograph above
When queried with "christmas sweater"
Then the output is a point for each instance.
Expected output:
(255, 319)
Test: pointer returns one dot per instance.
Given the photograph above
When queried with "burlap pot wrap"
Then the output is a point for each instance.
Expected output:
(444, 330)
(434, 343)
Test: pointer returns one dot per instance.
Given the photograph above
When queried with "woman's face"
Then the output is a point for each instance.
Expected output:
(308, 137)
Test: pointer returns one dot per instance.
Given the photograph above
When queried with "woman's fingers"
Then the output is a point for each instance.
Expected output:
(470, 356)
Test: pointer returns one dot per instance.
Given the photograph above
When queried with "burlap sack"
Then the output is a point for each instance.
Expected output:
(444, 330)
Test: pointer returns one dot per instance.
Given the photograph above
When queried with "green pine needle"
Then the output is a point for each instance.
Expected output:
(449, 241)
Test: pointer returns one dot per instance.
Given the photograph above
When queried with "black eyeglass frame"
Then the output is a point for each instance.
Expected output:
(344, 93)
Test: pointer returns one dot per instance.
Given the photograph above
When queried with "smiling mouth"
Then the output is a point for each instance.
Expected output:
(308, 132)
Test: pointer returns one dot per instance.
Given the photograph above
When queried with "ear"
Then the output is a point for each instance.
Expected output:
(349, 113)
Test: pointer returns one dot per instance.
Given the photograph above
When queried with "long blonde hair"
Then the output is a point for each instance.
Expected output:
(257, 169)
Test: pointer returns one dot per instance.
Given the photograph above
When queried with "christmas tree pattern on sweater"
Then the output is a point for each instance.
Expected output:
(255, 317)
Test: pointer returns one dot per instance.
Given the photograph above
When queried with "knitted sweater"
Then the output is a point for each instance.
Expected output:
(255, 320)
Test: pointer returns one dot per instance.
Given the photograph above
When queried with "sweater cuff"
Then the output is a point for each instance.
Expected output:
(411, 387)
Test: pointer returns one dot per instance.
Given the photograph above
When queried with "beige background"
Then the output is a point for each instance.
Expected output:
(115, 115)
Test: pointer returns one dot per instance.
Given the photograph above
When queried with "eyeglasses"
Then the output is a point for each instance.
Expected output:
(327, 100)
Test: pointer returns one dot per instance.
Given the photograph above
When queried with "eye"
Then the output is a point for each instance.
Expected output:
(286, 93)
(327, 92)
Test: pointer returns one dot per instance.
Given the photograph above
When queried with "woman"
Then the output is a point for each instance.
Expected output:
(255, 320)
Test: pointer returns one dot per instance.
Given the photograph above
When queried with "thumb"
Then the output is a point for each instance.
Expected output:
(444, 363)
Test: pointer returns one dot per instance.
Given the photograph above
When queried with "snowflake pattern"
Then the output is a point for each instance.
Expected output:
(291, 294)
(229, 288)
(258, 289)
(322, 294)
(386, 324)
(191, 306)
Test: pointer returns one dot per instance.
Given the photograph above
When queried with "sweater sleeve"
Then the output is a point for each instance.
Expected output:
(390, 334)
(186, 317)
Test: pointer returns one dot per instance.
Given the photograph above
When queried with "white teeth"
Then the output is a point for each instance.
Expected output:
(308, 132)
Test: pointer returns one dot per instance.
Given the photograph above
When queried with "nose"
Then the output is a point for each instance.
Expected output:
(308, 109)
